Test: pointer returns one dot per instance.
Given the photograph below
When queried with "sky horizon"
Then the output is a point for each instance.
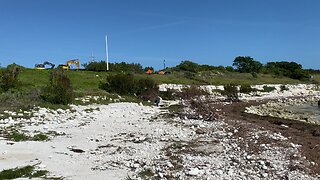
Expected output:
(148, 32)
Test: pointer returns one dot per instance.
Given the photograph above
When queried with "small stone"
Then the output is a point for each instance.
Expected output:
(219, 172)
(264, 175)
(229, 134)
(169, 164)
(160, 175)
(136, 165)
(195, 172)
(200, 131)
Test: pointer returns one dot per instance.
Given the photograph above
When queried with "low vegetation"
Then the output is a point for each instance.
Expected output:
(231, 92)
(9, 77)
(22, 172)
(20, 136)
(127, 84)
(170, 94)
(268, 88)
(23, 88)
(59, 89)
(176, 108)
(246, 88)
(115, 67)
(191, 92)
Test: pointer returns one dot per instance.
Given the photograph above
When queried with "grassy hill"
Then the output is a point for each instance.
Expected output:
(84, 83)
(87, 81)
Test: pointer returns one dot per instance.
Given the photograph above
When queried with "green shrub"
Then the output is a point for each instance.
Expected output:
(246, 89)
(24, 172)
(127, 84)
(192, 92)
(59, 89)
(14, 100)
(254, 74)
(168, 95)
(231, 91)
(115, 67)
(147, 89)
(189, 75)
(123, 84)
(268, 88)
(9, 77)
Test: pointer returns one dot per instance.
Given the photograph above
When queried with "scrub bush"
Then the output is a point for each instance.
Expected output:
(231, 91)
(9, 77)
(127, 84)
(246, 89)
(59, 89)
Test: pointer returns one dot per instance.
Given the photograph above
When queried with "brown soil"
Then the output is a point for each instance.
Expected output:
(307, 135)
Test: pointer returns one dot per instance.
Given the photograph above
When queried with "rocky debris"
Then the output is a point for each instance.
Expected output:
(281, 109)
(293, 90)
(76, 150)
(119, 140)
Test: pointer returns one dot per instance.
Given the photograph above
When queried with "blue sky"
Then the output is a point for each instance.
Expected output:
(149, 31)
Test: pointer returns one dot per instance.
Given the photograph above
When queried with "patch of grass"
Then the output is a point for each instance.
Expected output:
(40, 137)
(246, 88)
(176, 108)
(16, 136)
(268, 88)
(40, 173)
(23, 172)
(89, 110)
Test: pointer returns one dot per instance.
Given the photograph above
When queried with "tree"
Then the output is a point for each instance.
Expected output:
(188, 66)
(246, 64)
(288, 69)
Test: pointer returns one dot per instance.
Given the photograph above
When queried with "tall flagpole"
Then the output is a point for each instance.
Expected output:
(107, 53)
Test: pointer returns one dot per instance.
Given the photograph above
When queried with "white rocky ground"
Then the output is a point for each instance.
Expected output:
(281, 108)
(123, 140)
(119, 140)
(293, 90)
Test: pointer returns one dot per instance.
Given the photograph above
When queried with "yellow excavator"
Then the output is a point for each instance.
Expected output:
(68, 64)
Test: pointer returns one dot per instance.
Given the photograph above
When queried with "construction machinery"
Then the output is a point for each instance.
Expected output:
(75, 62)
(63, 66)
(43, 65)
(68, 64)
(149, 71)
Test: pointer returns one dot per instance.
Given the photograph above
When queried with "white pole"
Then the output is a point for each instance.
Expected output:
(107, 53)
